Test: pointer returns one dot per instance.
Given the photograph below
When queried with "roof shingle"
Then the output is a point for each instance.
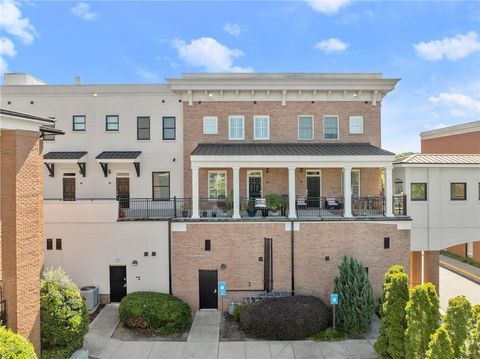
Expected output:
(118, 155)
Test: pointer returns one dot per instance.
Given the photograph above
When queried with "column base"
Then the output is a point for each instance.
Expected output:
(293, 216)
(236, 216)
(195, 217)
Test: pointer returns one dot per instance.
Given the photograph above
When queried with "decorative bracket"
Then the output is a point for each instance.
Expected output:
(51, 169)
(82, 166)
(137, 168)
(104, 168)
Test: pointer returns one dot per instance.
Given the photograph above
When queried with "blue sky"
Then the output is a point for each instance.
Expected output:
(434, 47)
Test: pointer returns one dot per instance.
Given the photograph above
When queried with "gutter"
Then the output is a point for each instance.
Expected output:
(292, 251)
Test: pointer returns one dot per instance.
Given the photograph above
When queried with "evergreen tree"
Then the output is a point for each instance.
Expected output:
(457, 322)
(422, 316)
(473, 340)
(440, 346)
(356, 303)
(391, 342)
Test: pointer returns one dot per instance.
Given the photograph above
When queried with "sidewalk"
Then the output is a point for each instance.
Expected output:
(203, 343)
(465, 270)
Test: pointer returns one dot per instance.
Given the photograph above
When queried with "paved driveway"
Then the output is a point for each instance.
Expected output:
(203, 343)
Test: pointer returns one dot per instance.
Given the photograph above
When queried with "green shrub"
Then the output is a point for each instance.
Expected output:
(440, 346)
(457, 322)
(423, 317)
(473, 340)
(154, 312)
(287, 318)
(330, 335)
(475, 314)
(391, 342)
(238, 309)
(466, 260)
(14, 346)
(64, 317)
(355, 303)
(273, 201)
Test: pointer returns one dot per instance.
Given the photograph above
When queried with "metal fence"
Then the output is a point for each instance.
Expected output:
(319, 206)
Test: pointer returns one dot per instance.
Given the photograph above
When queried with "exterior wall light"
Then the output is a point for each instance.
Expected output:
(134, 263)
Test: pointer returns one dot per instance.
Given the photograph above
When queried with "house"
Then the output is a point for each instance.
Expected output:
(264, 181)
(21, 220)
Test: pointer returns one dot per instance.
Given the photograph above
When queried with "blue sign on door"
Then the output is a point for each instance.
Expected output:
(222, 288)
(334, 298)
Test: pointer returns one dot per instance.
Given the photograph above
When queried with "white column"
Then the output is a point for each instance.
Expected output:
(195, 213)
(292, 213)
(236, 192)
(388, 191)
(347, 191)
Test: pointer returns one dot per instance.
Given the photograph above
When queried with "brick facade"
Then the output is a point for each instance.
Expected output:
(22, 230)
(466, 143)
(239, 245)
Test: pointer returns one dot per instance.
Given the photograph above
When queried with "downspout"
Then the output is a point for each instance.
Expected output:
(170, 257)
(292, 251)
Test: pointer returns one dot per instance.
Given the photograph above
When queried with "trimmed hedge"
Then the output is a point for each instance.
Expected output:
(14, 346)
(153, 312)
(287, 318)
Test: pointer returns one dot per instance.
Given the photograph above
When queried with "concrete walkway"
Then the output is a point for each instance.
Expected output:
(203, 343)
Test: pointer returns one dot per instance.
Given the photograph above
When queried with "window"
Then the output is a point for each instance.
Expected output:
(236, 129)
(208, 245)
(386, 242)
(49, 244)
(354, 181)
(58, 244)
(112, 123)
(160, 186)
(418, 191)
(305, 127)
(210, 126)
(458, 191)
(143, 128)
(261, 129)
(356, 124)
(49, 136)
(330, 127)
(79, 123)
(217, 184)
(169, 128)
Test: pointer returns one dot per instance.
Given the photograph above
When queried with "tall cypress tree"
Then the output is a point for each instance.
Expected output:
(473, 340)
(457, 322)
(391, 342)
(440, 346)
(356, 305)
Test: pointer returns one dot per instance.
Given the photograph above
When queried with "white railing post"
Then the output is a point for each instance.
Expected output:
(388, 191)
(195, 212)
(347, 191)
(292, 213)
(236, 192)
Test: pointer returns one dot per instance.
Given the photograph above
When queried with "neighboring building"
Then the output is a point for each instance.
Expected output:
(458, 139)
(21, 220)
(219, 145)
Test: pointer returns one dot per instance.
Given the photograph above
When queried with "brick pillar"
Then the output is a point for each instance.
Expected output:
(21, 213)
(459, 249)
(415, 268)
(431, 267)
(476, 250)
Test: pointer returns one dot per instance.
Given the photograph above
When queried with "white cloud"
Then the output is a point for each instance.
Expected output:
(82, 10)
(459, 105)
(7, 48)
(149, 76)
(233, 29)
(331, 46)
(451, 48)
(11, 21)
(208, 53)
(328, 7)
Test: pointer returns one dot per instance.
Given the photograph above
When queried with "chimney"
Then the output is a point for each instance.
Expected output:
(78, 80)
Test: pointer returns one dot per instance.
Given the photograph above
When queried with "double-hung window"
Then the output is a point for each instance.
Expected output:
(210, 125)
(112, 123)
(305, 127)
(236, 127)
(49, 136)
(261, 129)
(143, 128)
(217, 184)
(356, 125)
(330, 127)
(160, 186)
(169, 128)
(79, 123)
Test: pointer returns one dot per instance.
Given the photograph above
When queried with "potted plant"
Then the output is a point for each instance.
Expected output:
(283, 206)
(204, 213)
(185, 210)
(251, 210)
(273, 203)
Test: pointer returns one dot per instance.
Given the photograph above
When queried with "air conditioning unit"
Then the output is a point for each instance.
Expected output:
(91, 296)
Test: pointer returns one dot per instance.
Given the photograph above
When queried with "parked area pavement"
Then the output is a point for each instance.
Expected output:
(203, 343)
(453, 284)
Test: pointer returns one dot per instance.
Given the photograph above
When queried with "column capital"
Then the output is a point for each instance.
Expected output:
(292, 168)
(347, 167)
(235, 168)
(195, 168)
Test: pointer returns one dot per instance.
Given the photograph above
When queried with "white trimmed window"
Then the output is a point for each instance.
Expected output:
(236, 128)
(217, 184)
(330, 127)
(261, 129)
(210, 125)
(356, 124)
(305, 127)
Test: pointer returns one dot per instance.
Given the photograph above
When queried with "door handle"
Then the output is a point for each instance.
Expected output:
(125, 285)
(215, 291)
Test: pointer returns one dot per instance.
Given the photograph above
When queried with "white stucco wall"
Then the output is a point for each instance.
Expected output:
(439, 223)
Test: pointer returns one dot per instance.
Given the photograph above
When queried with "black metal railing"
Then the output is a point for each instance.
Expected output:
(368, 206)
(264, 207)
(319, 206)
(215, 207)
(400, 205)
(140, 208)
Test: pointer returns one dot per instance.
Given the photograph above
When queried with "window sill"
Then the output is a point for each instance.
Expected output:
(144, 140)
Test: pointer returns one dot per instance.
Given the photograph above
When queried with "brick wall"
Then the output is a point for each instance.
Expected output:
(22, 229)
(283, 123)
(463, 143)
(239, 246)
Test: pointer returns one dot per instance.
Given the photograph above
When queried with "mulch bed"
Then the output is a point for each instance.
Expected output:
(230, 330)
(124, 333)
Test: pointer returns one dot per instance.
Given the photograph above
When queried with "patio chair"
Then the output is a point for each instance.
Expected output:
(331, 203)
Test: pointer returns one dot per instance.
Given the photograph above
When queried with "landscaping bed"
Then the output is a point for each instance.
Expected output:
(127, 334)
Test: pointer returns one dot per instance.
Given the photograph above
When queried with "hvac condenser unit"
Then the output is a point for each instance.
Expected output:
(91, 296)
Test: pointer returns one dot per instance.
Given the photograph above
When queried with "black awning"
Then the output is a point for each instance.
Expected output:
(118, 155)
(70, 155)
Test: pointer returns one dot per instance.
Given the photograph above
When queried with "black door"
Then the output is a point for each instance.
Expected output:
(268, 265)
(313, 191)
(123, 191)
(255, 187)
(69, 189)
(208, 280)
(118, 283)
